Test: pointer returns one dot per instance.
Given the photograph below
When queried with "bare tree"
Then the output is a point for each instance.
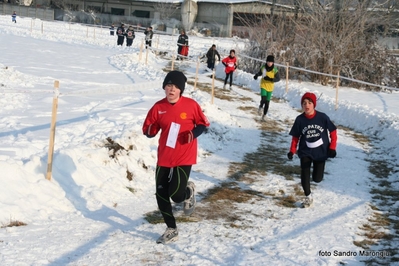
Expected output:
(74, 12)
(339, 36)
(167, 9)
(67, 6)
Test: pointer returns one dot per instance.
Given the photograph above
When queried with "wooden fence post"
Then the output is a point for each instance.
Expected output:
(173, 61)
(141, 50)
(196, 73)
(146, 55)
(213, 85)
(52, 131)
(336, 92)
(286, 78)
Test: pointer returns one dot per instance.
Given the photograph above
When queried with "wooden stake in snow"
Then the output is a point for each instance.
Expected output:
(196, 73)
(213, 84)
(336, 92)
(173, 61)
(141, 49)
(286, 78)
(146, 55)
(52, 130)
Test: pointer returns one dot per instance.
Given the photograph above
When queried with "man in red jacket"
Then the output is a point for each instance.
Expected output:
(181, 121)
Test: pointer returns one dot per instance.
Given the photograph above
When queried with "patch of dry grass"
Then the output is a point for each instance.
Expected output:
(13, 223)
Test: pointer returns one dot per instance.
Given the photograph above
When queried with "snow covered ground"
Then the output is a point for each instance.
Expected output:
(86, 215)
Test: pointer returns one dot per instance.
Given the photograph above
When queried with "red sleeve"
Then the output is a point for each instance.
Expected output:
(294, 144)
(150, 119)
(333, 137)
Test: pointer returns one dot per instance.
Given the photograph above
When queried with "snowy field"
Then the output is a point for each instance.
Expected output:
(86, 215)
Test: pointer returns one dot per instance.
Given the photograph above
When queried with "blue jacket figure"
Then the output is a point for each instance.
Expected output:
(112, 30)
(120, 32)
(14, 17)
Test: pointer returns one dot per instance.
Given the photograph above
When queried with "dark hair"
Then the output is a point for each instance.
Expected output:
(232, 50)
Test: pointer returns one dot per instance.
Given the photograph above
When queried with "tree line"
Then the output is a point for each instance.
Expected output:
(338, 38)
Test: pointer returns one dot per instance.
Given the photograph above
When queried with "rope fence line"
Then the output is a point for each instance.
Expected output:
(325, 74)
(141, 85)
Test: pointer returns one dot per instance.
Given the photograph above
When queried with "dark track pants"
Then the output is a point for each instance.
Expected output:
(229, 75)
(317, 174)
(264, 102)
(120, 40)
(171, 183)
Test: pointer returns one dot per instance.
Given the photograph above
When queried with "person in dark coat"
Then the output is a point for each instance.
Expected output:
(211, 57)
(112, 30)
(148, 37)
(14, 17)
(130, 35)
(181, 41)
(120, 32)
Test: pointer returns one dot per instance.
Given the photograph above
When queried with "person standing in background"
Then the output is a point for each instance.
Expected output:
(14, 17)
(112, 30)
(130, 35)
(182, 41)
(120, 32)
(148, 37)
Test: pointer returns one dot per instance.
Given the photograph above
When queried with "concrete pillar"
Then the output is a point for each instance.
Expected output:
(230, 13)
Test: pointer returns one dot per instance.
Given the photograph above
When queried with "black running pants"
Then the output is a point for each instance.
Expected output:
(171, 183)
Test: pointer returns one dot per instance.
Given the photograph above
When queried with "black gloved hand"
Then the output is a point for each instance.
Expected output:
(332, 153)
(267, 78)
(290, 155)
(255, 77)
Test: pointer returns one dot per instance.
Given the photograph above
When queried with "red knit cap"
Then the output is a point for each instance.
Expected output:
(310, 96)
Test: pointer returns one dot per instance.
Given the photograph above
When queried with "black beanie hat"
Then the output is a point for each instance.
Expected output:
(270, 58)
(176, 78)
